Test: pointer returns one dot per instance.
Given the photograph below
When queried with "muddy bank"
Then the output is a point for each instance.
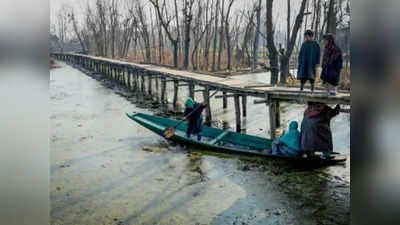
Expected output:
(106, 169)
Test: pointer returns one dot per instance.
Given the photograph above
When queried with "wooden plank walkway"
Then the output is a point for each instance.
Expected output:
(133, 75)
(238, 86)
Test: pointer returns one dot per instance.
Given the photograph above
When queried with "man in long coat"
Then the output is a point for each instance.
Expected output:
(309, 59)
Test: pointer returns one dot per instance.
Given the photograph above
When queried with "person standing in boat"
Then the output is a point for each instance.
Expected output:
(316, 134)
(195, 120)
(309, 59)
(332, 63)
(289, 143)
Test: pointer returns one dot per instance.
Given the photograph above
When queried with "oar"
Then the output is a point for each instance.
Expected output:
(170, 131)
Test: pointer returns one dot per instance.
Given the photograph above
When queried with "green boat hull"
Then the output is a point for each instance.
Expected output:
(223, 140)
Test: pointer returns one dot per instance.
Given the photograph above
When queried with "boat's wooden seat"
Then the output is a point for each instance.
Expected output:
(219, 137)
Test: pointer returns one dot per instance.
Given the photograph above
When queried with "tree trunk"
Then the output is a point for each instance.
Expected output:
(331, 24)
(257, 37)
(288, 24)
(175, 46)
(207, 40)
(187, 11)
(215, 34)
(228, 47)
(273, 53)
(221, 37)
(178, 37)
(285, 59)
(174, 41)
(228, 36)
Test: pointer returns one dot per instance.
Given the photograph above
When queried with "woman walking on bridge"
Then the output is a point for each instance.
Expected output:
(331, 63)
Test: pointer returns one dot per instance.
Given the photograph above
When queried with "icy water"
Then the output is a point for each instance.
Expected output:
(100, 173)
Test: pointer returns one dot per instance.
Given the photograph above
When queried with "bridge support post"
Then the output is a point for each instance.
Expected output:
(149, 86)
(120, 75)
(206, 97)
(224, 100)
(111, 72)
(278, 114)
(163, 90)
(157, 90)
(274, 117)
(125, 76)
(129, 78)
(191, 90)
(244, 106)
(142, 86)
(135, 79)
(115, 74)
(176, 89)
(237, 113)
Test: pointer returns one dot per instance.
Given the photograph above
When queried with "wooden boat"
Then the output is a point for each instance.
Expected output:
(226, 141)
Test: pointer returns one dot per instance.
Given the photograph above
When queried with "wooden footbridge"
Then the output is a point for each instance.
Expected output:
(135, 76)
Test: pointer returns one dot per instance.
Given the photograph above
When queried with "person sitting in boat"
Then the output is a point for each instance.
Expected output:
(316, 134)
(195, 120)
(289, 143)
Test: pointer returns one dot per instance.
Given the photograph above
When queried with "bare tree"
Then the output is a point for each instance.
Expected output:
(144, 31)
(160, 41)
(331, 19)
(128, 26)
(199, 30)
(101, 6)
(228, 36)
(286, 57)
(62, 20)
(165, 22)
(257, 36)
(94, 29)
(216, 12)
(288, 23)
(221, 35)
(273, 53)
(248, 33)
(77, 31)
(188, 17)
(178, 32)
(191, 29)
(207, 41)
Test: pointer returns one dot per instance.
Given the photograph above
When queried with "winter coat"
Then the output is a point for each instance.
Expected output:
(316, 132)
(195, 121)
(292, 137)
(309, 57)
(331, 72)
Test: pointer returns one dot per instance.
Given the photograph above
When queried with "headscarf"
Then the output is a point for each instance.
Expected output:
(331, 51)
(314, 109)
(292, 137)
(189, 102)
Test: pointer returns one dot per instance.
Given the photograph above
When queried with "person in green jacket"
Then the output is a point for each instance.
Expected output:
(195, 120)
(289, 143)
